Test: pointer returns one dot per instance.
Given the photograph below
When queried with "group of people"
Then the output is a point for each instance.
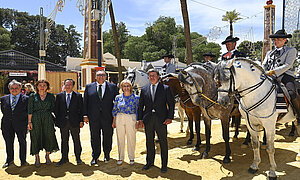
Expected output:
(104, 109)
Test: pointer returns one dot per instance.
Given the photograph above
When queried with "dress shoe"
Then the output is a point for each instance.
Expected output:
(147, 166)
(93, 162)
(24, 163)
(106, 158)
(78, 161)
(163, 169)
(61, 162)
(7, 164)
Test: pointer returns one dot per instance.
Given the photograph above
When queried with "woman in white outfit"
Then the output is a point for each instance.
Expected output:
(124, 113)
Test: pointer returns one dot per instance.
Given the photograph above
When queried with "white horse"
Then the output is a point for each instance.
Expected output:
(255, 91)
(139, 79)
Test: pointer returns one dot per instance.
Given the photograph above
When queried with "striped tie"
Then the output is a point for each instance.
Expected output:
(14, 103)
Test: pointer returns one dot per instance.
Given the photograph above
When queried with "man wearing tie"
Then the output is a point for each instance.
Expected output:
(168, 67)
(155, 112)
(97, 111)
(69, 118)
(230, 43)
(14, 122)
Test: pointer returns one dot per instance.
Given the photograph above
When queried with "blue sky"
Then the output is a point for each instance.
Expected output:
(136, 13)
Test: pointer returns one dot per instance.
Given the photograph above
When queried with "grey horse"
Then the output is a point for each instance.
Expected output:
(199, 83)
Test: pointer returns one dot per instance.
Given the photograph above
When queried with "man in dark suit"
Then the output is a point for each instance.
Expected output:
(230, 43)
(14, 122)
(97, 111)
(155, 112)
(69, 118)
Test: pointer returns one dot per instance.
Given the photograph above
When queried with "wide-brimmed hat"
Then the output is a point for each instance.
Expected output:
(280, 34)
(167, 55)
(209, 54)
(230, 39)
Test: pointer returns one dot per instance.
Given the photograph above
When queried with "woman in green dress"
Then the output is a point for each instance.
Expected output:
(40, 122)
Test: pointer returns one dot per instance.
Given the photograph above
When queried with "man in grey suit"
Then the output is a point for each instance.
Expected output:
(279, 63)
(168, 67)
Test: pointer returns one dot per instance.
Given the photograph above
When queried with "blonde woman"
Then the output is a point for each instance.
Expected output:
(124, 113)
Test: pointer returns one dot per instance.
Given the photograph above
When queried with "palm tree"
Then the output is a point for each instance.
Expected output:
(231, 17)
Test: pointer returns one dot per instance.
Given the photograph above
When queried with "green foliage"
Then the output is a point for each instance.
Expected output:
(25, 36)
(3, 79)
(231, 17)
(5, 38)
(251, 50)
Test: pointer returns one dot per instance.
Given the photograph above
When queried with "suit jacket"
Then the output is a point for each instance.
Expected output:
(235, 53)
(282, 64)
(95, 109)
(74, 112)
(18, 117)
(163, 104)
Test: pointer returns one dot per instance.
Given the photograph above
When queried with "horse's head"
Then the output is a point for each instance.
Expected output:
(192, 82)
(173, 82)
(131, 75)
(223, 77)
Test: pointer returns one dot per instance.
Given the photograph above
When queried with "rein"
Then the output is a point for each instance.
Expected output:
(236, 94)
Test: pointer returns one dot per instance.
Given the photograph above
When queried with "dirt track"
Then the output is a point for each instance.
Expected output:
(183, 162)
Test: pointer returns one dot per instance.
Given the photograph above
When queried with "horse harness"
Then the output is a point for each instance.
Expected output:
(232, 91)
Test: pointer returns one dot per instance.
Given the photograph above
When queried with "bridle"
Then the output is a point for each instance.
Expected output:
(233, 92)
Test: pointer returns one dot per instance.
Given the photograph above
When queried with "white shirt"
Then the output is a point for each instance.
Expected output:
(102, 87)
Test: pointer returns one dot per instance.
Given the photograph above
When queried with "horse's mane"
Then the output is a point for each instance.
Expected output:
(207, 67)
(252, 62)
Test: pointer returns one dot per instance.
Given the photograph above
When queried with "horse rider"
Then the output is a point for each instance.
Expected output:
(279, 62)
(230, 43)
(168, 67)
(208, 57)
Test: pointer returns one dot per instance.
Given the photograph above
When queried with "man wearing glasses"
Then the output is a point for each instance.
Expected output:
(97, 111)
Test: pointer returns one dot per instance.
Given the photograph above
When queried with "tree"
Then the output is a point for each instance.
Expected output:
(231, 17)
(5, 38)
(251, 50)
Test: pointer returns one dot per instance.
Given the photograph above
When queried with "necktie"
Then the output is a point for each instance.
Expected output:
(228, 55)
(14, 103)
(68, 101)
(153, 92)
(100, 92)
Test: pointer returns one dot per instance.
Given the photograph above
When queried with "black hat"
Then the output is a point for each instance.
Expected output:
(230, 39)
(167, 55)
(280, 34)
(209, 54)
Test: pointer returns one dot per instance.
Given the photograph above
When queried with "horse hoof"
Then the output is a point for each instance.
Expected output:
(196, 149)
(292, 134)
(263, 146)
(204, 155)
(181, 131)
(234, 139)
(226, 160)
(244, 146)
(252, 171)
(189, 142)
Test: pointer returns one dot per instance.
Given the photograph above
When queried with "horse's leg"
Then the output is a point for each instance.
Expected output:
(225, 130)
(264, 144)
(270, 133)
(190, 120)
(237, 126)
(181, 116)
(197, 118)
(256, 154)
(247, 140)
(292, 133)
(207, 123)
(297, 124)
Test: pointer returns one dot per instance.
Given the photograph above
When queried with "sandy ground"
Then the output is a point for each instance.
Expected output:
(183, 162)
